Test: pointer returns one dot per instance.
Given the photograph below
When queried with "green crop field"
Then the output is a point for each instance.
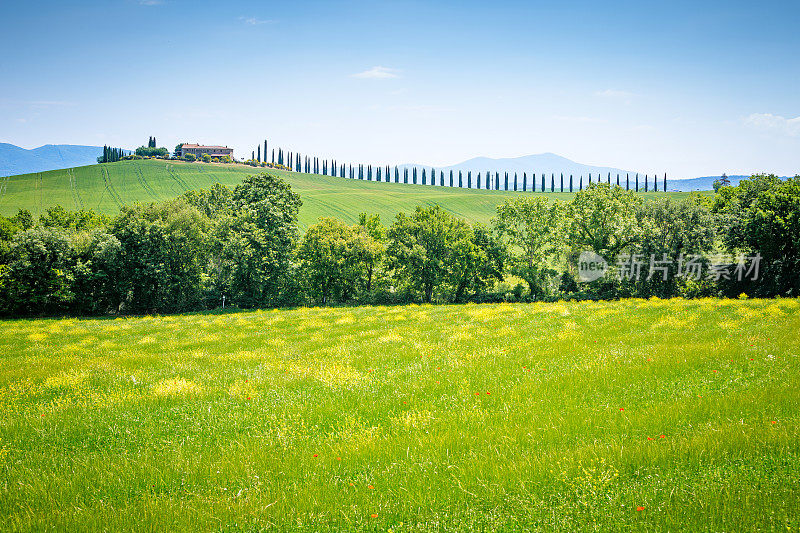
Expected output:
(108, 186)
(627, 415)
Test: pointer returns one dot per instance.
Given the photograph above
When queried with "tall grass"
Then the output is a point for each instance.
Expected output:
(631, 415)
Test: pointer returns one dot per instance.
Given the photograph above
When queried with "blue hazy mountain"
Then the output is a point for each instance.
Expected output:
(15, 160)
(549, 164)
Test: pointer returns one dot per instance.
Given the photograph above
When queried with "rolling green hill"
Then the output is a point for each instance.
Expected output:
(109, 186)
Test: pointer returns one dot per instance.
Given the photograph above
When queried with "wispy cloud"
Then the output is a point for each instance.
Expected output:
(377, 73)
(150, 2)
(253, 21)
(774, 123)
(580, 120)
(617, 95)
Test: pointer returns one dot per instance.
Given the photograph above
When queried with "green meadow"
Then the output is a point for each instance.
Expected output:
(107, 187)
(628, 415)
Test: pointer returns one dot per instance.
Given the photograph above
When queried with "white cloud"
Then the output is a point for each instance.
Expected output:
(579, 120)
(774, 123)
(150, 2)
(253, 21)
(613, 93)
(377, 73)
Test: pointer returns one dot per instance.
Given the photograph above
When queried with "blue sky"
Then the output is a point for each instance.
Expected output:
(687, 88)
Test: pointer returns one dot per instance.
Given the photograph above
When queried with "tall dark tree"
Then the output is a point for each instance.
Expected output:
(469, 179)
(441, 178)
(552, 183)
(562, 182)
(506, 182)
(570, 183)
(451, 178)
(479, 180)
(524, 182)
(515, 182)
(258, 156)
(460, 180)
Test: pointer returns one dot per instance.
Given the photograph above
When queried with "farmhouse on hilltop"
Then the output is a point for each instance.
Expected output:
(198, 150)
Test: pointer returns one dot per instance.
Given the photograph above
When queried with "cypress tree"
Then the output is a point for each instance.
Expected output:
(543, 185)
(665, 182)
(627, 182)
(590, 178)
(460, 180)
(552, 183)
(645, 183)
(396, 174)
(259, 154)
(414, 181)
(469, 179)
(562, 182)
(424, 181)
(655, 182)
(273, 156)
(441, 178)
(451, 178)
(570, 183)
(496, 181)
(524, 182)
(637, 182)
(580, 185)
(506, 182)
(479, 180)
(252, 155)
(265, 151)
(617, 179)
(515, 182)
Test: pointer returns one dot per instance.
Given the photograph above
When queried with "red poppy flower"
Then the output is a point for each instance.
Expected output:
(248, 397)
(663, 436)
(649, 438)
(373, 515)
(370, 487)
(772, 421)
(621, 408)
(640, 508)
(487, 393)
(338, 458)
(315, 455)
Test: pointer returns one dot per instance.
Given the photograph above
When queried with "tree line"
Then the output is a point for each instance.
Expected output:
(297, 162)
(244, 244)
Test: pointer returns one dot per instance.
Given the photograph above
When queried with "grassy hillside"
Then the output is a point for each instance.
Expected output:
(108, 186)
(629, 415)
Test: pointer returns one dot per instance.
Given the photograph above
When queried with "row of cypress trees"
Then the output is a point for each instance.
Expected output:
(489, 181)
(111, 155)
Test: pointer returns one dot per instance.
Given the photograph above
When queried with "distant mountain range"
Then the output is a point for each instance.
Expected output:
(549, 163)
(15, 160)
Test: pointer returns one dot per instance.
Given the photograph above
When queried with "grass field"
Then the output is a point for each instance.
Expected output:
(107, 187)
(630, 415)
